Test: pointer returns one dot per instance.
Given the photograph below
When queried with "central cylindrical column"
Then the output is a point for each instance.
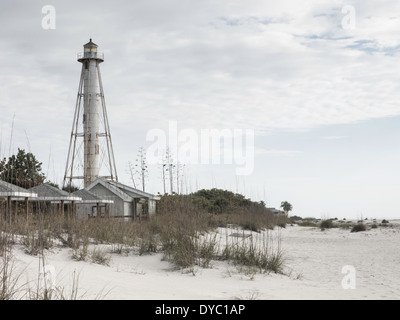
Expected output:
(91, 119)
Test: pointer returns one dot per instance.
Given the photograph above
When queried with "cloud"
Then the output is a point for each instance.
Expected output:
(206, 64)
(276, 152)
(333, 137)
(294, 69)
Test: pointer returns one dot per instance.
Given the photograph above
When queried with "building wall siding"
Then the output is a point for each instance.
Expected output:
(118, 207)
(128, 209)
(152, 207)
(83, 210)
(89, 210)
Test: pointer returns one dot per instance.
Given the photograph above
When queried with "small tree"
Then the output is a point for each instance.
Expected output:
(22, 169)
(55, 185)
(169, 166)
(130, 167)
(70, 188)
(141, 167)
(286, 206)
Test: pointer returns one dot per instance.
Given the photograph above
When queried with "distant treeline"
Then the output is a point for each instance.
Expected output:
(219, 201)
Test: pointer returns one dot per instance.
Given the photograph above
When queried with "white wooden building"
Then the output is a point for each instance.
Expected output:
(128, 203)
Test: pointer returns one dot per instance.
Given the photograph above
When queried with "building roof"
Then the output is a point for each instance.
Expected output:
(134, 191)
(120, 194)
(10, 190)
(122, 191)
(89, 197)
(47, 192)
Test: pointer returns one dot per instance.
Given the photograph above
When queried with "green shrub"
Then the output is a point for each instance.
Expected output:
(250, 254)
(80, 253)
(326, 224)
(35, 243)
(293, 219)
(207, 250)
(251, 225)
(308, 224)
(100, 257)
(359, 227)
(3, 243)
(148, 244)
(346, 226)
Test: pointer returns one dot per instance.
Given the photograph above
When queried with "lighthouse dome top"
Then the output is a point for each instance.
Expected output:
(90, 44)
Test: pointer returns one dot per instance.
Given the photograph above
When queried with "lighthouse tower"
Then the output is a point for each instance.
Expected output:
(90, 123)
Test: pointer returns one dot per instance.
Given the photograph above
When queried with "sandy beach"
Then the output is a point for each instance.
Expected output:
(315, 268)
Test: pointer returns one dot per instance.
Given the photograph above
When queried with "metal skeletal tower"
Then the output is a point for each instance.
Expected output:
(90, 123)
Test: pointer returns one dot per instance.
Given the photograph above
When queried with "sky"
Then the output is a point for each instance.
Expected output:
(310, 87)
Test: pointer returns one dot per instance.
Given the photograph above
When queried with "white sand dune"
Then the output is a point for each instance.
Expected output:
(314, 262)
